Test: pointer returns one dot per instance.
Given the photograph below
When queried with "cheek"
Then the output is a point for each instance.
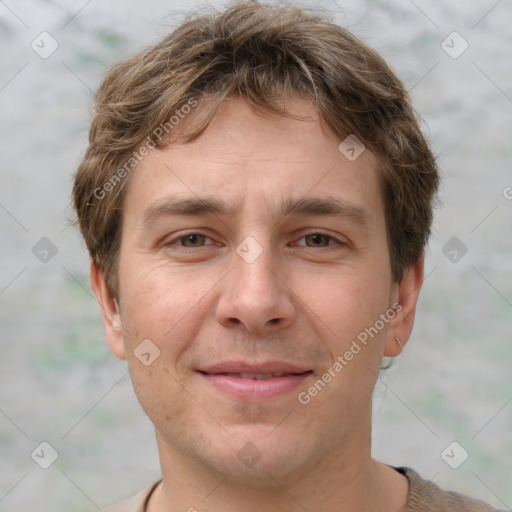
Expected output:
(347, 300)
(349, 303)
(158, 390)
(157, 333)
(163, 304)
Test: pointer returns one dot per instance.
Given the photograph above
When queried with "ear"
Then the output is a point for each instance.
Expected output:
(406, 294)
(109, 312)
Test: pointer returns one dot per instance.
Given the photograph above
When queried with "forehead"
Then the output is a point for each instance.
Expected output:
(244, 156)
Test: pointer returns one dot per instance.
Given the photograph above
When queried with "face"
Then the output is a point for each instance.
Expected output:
(251, 262)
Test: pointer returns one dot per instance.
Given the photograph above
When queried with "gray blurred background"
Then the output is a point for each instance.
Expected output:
(61, 385)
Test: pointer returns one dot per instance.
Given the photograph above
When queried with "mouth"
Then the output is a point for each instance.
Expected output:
(257, 376)
(252, 383)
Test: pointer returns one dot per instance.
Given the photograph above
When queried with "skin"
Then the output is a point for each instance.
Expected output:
(303, 300)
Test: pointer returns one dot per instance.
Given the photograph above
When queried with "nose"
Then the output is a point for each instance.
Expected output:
(255, 293)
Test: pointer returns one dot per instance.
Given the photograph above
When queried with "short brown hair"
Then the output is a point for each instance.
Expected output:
(263, 54)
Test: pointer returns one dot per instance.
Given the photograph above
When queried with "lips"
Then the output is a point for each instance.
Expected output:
(241, 367)
(246, 381)
(257, 376)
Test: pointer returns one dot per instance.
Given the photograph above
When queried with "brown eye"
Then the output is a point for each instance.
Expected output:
(192, 240)
(318, 240)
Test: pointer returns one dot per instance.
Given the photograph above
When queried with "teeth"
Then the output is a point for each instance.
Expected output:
(258, 376)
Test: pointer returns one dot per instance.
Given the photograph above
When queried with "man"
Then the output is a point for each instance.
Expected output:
(256, 199)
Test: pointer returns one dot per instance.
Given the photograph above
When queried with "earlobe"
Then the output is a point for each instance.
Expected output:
(109, 312)
(400, 327)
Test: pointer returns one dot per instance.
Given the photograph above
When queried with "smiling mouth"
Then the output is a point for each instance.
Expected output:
(258, 376)
(248, 386)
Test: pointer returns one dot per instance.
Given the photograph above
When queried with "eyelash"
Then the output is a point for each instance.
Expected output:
(336, 241)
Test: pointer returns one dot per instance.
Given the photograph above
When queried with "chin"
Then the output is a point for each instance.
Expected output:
(263, 456)
(262, 453)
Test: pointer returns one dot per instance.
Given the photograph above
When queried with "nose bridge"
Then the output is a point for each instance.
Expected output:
(255, 295)
(253, 266)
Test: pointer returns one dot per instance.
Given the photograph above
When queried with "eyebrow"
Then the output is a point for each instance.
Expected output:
(196, 206)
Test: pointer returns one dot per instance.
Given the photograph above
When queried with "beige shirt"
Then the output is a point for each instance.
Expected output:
(424, 496)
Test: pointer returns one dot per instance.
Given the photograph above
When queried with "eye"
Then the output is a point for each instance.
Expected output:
(319, 240)
(190, 240)
(196, 240)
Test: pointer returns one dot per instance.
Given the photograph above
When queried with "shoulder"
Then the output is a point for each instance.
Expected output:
(136, 503)
(425, 496)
